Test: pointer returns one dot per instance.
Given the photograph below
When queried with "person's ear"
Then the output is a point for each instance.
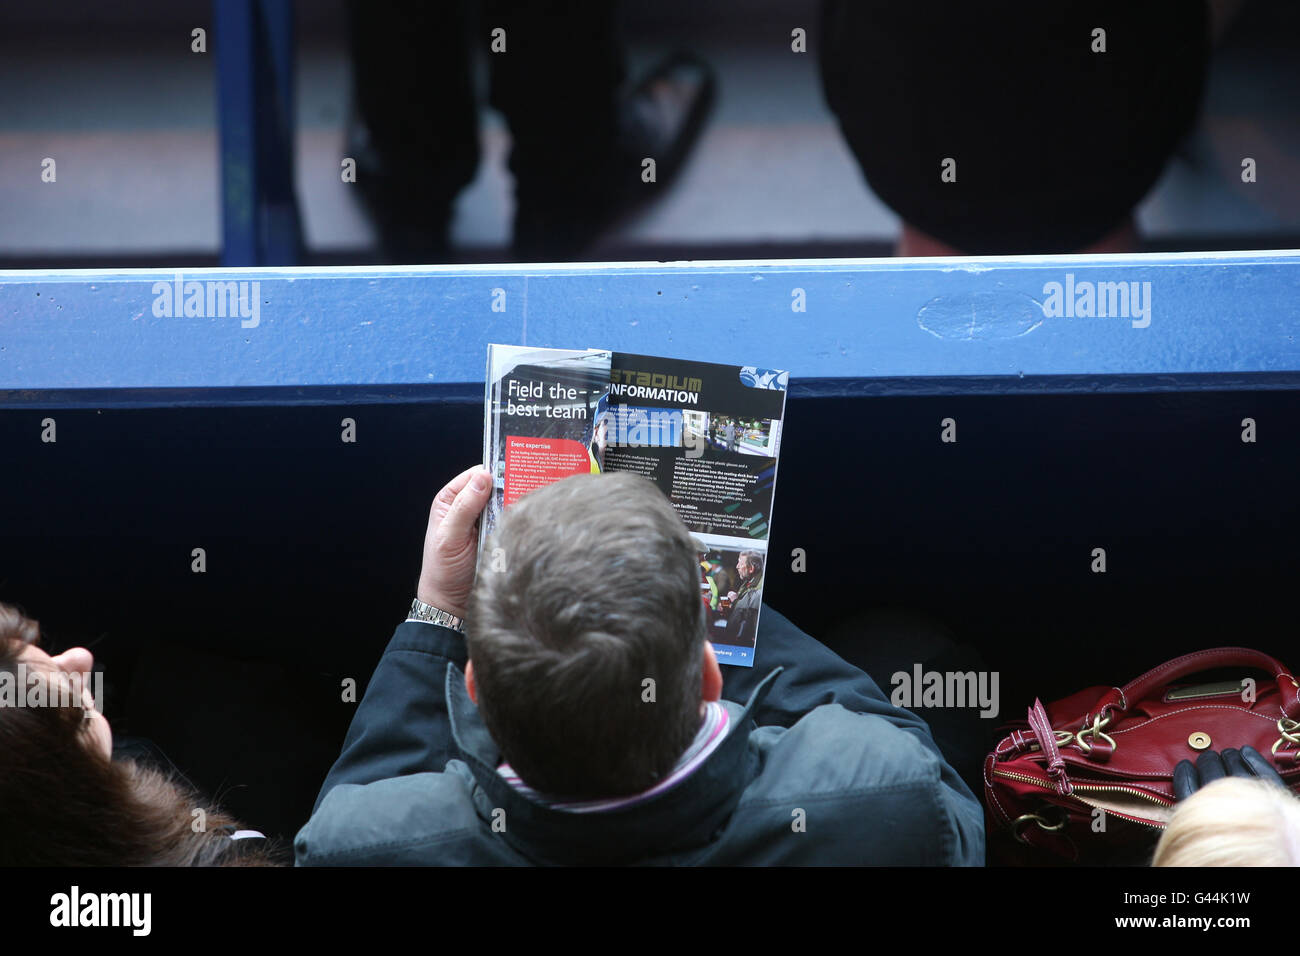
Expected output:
(470, 687)
(711, 683)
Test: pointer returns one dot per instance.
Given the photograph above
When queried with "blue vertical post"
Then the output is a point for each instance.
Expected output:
(259, 209)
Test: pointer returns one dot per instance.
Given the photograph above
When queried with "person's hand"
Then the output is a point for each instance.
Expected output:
(731, 595)
(451, 541)
(1246, 763)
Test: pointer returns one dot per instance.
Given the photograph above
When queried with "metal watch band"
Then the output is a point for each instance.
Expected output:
(435, 615)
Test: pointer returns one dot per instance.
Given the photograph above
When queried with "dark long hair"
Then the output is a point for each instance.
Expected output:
(63, 803)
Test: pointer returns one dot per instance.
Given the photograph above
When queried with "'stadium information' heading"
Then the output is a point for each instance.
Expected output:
(655, 386)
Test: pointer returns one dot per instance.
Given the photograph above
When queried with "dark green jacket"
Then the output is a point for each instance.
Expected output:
(817, 768)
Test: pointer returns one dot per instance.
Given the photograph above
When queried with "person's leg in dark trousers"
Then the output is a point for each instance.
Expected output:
(558, 84)
(417, 146)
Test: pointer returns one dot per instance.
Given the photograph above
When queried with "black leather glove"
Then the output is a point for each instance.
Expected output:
(1247, 763)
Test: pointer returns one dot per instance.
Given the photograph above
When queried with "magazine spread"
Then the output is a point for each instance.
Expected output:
(707, 435)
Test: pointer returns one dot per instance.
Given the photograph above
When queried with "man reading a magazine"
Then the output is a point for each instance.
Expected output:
(567, 708)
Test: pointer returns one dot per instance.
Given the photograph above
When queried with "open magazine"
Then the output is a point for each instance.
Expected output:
(707, 435)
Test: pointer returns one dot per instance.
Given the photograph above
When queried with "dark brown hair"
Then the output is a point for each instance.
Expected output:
(600, 592)
(63, 803)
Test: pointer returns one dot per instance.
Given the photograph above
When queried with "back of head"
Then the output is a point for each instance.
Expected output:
(1233, 822)
(587, 647)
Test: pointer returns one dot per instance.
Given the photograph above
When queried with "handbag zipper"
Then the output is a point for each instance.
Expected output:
(1046, 785)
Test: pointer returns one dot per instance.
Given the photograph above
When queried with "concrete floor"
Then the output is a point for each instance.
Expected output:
(129, 119)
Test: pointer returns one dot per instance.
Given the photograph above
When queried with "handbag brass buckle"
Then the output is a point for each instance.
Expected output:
(1290, 730)
(1043, 823)
(1094, 732)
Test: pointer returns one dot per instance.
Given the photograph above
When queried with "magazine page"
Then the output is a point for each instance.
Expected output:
(708, 435)
(541, 411)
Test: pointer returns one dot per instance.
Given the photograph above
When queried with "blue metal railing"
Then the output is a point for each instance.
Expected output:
(259, 211)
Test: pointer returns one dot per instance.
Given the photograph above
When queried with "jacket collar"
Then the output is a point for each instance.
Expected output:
(680, 820)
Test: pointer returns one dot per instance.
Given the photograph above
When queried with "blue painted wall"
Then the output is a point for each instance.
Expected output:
(921, 323)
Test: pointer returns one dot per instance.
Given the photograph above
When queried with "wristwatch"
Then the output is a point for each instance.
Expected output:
(435, 615)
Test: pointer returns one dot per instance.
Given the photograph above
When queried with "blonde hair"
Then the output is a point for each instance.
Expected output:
(1233, 822)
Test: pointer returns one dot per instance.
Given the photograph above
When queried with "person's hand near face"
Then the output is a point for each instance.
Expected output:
(451, 541)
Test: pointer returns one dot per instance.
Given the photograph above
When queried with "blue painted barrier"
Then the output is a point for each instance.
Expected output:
(920, 326)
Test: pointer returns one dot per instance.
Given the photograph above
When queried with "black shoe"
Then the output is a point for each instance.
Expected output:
(562, 210)
(664, 115)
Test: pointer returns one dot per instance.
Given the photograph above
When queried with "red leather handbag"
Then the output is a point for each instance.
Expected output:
(1091, 776)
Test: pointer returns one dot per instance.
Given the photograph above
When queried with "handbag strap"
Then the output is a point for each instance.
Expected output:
(1042, 729)
(1118, 700)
